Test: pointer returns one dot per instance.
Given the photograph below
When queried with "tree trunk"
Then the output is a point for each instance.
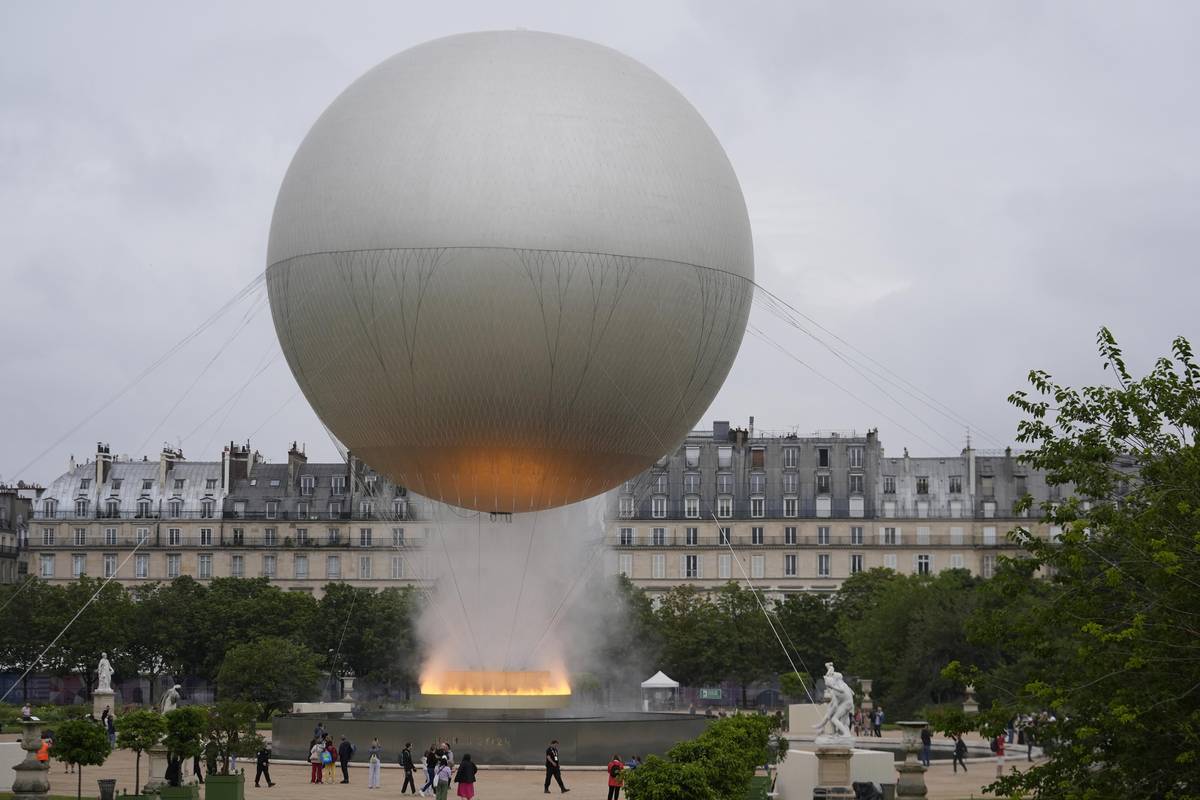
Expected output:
(79, 782)
(137, 772)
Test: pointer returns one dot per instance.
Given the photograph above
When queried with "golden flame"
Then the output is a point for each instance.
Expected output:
(495, 682)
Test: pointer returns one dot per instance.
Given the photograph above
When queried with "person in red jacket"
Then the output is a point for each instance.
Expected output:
(614, 777)
(998, 749)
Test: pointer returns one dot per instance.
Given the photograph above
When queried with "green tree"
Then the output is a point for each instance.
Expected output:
(271, 671)
(185, 727)
(1124, 597)
(659, 779)
(82, 743)
(231, 732)
(718, 764)
(809, 625)
(750, 647)
(139, 731)
(693, 644)
(34, 612)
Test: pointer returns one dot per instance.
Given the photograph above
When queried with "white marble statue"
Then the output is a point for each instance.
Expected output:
(104, 673)
(170, 700)
(841, 706)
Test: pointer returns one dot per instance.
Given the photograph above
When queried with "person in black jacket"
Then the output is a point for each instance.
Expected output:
(960, 751)
(926, 745)
(466, 777)
(553, 768)
(345, 753)
(406, 763)
(263, 759)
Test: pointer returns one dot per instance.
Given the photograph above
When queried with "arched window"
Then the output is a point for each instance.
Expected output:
(81, 507)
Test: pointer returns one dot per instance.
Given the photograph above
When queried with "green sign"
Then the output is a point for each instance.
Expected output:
(710, 694)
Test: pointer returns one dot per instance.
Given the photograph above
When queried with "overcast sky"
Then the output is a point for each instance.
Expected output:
(963, 191)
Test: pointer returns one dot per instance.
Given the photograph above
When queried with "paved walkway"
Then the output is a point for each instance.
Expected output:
(494, 784)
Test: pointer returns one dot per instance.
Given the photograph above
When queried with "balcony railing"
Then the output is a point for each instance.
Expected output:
(972, 540)
(163, 541)
(285, 516)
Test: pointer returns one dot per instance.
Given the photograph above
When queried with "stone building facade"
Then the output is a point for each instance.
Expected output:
(16, 509)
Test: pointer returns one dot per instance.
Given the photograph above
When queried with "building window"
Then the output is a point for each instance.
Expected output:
(988, 485)
(855, 456)
(143, 509)
(923, 564)
(302, 537)
(758, 483)
(272, 509)
(889, 484)
(147, 484)
(758, 457)
(956, 536)
(110, 537)
(112, 508)
(922, 484)
(989, 509)
(237, 566)
(81, 508)
(239, 537)
(625, 564)
(822, 456)
(823, 534)
(270, 536)
(365, 509)
(173, 560)
(398, 567)
(333, 567)
(204, 566)
(658, 506)
(724, 535)
(46, 562)
(692, 536)
(723, 566)
(49, 508)
(691, 566)
(889, 536)
(658, 566)
(337, 484)
(658, 537)
(989, 536)
(791, 457)
(691, 456)
(923, 536)
(956, 561)
(758, 507)
(724, 483)
(1019, 486)
(143, 535)
(789, 535)
(626, 537)
(989, 566)
(956, 484)
(756, 535)
(725, 507)
(400, 508)
(397, 537)
(757, 566)
(47, 536)
(856, 563)
(364, 537)
(110, 564)
(626, 507)
(208, 507)
(174, 537)
(791, 506)
(660, 483)
(300, 565)
(175, 508)
(335, 509)
(856, 483)
(85, 484)
(889, 561)
(78, 565)
(856, 535)
(724, 457)
(206, 538)
(307, 484)
(333, 536)
(823, 483)
(823, 565)
(789, 565)
(178, 485)
(141, 565)
(691, 483)
(691, 507)
(268, 566)
(80, 537)
(210, 483)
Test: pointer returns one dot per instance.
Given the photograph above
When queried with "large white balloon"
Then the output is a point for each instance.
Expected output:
(510, 269)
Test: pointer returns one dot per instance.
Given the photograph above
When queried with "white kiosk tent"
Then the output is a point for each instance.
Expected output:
(658, 692)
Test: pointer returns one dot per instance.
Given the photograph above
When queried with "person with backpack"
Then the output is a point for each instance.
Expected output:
(615, 779)
(998, 749)
(466, 777)
(316, 757)
(960, 752)
(329, 759)
(374, 764)
(406, 764)
(441, 778)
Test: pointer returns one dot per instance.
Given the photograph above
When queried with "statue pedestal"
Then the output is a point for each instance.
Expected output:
(833, 767)
(32, 781)
(102, 699)
(911, 782)
(157, 771)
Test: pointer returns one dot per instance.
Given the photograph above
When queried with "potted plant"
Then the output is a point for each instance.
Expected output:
(139, 731)
(230, 732)
(80, 742)
(185, 726)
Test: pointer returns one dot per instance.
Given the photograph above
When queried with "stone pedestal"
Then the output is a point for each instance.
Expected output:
(32, 781)
(970, 706)
(833, 766)
(911, 782)
(866, 704)
(102, 700)
(156, 776)
(348, 689)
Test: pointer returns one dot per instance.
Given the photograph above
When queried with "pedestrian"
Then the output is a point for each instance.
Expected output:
(1010, 729)
(111, 726)
(43, 753)
(998, 749)
(431, 763)
(319, 732)
(634, 762)
(406, 764)
(926, 745)
(466, 777)
(330, 759)
(196, 771)
(374, 762)
(879, 722)
(960, 752)
(441, 778)
(1028, 731)
(345, 752)
(615, 767)
(446, 751)
(262, 761)
(554, 768)
(316, 757)
(26, 712)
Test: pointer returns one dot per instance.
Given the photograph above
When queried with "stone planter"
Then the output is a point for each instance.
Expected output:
(225, 787)
(189, 792)
(911, 782)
